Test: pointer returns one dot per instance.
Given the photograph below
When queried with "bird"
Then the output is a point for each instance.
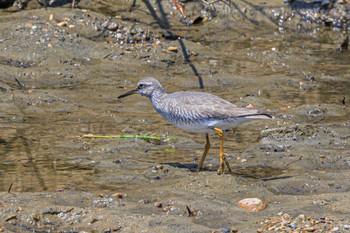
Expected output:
(197, 112)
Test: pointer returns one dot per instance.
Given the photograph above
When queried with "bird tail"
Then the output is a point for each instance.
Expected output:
(258, 116)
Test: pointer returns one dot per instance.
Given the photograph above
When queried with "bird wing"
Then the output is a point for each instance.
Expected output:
(206, 105)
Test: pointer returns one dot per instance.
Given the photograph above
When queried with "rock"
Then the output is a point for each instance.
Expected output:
(169, 208)
(252, 204)
(119, 195)
(113, 27)
(158, 204)
(36, 217)
(173, 49)
(101, 195)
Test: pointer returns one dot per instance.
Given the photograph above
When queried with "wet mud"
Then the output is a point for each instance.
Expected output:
(62, 68)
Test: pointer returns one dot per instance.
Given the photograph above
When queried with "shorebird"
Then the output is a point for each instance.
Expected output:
(197, 112)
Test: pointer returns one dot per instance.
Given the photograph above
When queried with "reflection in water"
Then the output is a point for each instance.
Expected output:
(27, 162)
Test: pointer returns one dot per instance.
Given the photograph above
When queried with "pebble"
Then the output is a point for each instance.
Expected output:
(101, 195)
(173, 49)
(158, 204)
(113, 26)
(252, 204)
(36, 217)
(119, 195)
(169, 208)
(62, 24)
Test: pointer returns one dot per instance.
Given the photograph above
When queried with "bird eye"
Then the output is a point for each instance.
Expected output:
(141, 86)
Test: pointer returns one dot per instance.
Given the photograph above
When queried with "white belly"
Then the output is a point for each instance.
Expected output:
(207, 126)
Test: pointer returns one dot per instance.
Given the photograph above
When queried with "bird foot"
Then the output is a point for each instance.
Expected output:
(222, 166)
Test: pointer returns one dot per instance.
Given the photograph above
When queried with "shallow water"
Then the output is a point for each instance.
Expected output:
(42, 151)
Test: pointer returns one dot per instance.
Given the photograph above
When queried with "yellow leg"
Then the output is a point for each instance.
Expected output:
(223, 160)
(206, 149)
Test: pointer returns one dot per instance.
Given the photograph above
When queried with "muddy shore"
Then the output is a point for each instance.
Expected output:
(62, 68)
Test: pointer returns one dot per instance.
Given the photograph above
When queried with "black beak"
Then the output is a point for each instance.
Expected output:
(128, 93)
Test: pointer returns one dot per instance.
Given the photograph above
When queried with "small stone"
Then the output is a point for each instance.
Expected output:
(252, 204)
(308, 229)
(169, 208)
(346, 227)
(119, 195)
(62, 24)
(133, 32)
(173, 49)
(159, 166)
(36, 217)
(113, 27)
(250, 106)
(158, 204)
(101, 195)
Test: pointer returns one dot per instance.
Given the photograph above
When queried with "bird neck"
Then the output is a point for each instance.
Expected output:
(157, 97)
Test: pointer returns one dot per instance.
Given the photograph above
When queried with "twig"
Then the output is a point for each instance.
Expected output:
(21, 86)
(189, 212)
(9, 189)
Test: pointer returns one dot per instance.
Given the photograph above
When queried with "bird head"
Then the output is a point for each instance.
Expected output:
(145, 87)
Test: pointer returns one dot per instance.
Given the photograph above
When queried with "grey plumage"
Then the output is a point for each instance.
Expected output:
(196, 112)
